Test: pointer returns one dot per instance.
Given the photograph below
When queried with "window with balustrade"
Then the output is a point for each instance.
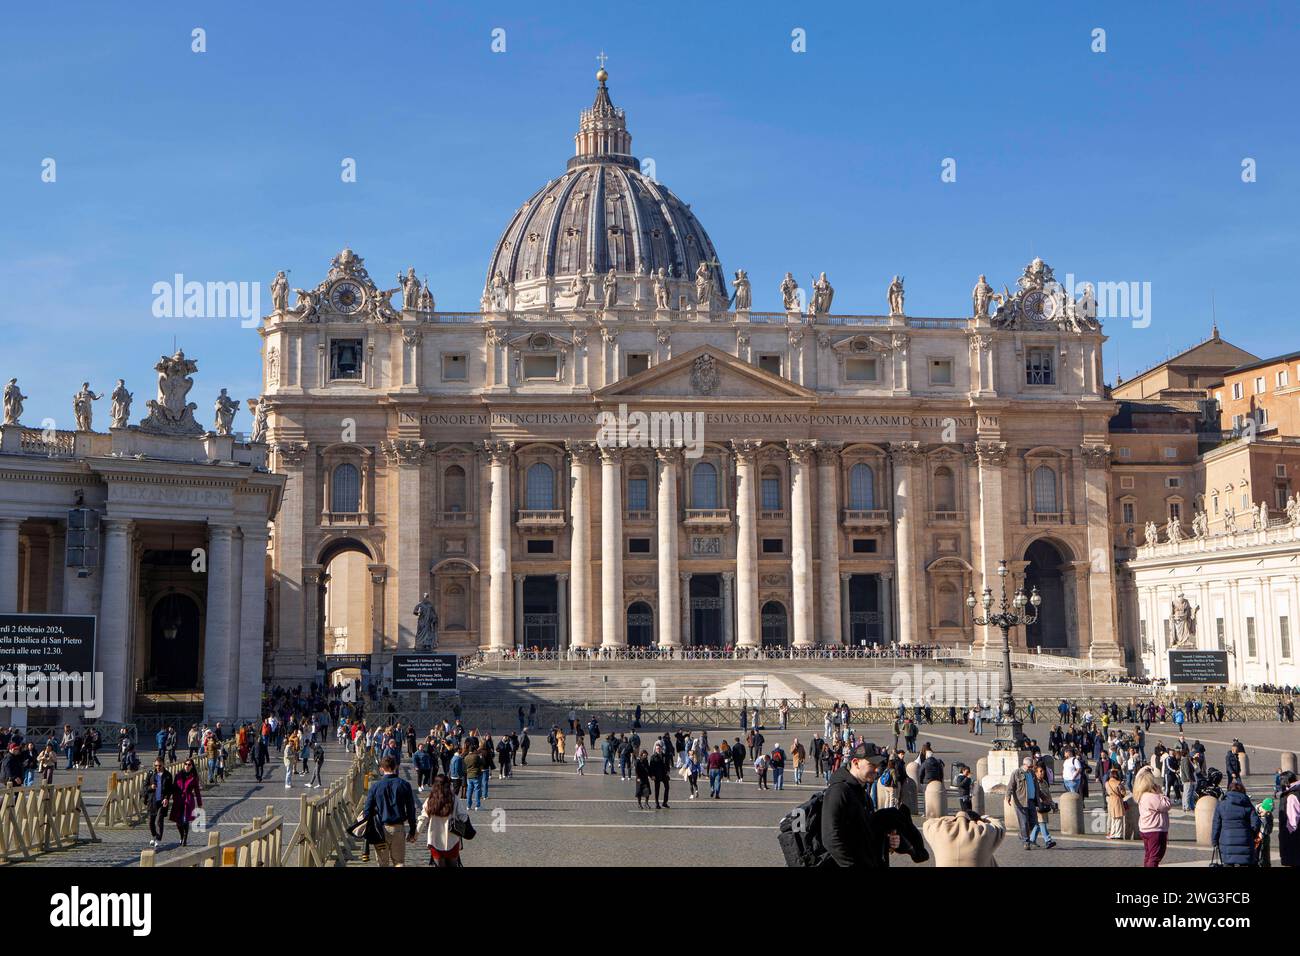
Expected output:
(770, 485)
(1045, 496)
(945, 489)
(453, 489)
(539, 487)
(345, 489)
(638, 489)
(704, 486)
(862, 488)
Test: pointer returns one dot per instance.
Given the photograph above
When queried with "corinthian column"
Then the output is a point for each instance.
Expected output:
(115, 614)
(580, 455)
(801, 533)
(990, 457)
(9, 565)
(219, 651)
(669, 634)
(903, 454)
(499, 596)
(828, 541)
(611, 548)
(747, 632)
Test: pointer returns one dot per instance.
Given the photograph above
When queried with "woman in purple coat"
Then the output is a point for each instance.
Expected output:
(186, 799)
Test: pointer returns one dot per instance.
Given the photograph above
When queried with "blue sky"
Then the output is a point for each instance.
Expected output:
(225, 165)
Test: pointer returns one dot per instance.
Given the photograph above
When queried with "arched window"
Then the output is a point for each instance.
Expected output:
(345, 489)
(704, 486)
(770, 484)
(638, 489)
(862, 488)
(945, 489)
(540, 488)
(1045, 491)
(453, 489)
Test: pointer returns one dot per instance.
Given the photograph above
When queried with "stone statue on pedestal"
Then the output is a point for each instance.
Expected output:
(703, 286)
(580, 290)
(1182, 617)
(1174, 531)
(280, 293)
(83, 408)
(226, 408)
(611, 289)
(822, 297)
(259, 410)
(896, 296)
(426, 626)
(121, 400)
(661, 288)
(13, 399)
(741, 282)
(170, 414)
(981, 296)
(410, 289)
(790, 293)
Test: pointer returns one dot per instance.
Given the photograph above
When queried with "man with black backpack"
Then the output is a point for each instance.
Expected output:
(846, 831)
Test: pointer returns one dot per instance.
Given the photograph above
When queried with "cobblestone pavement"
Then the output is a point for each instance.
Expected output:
(228, 807)
(548, 814)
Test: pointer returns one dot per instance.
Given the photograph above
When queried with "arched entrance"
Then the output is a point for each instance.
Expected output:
(345, 622)
(640, 625)
(175, 643)
(1043, 571)
(775, 632)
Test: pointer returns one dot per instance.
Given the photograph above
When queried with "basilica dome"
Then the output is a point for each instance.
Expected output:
(604, 213)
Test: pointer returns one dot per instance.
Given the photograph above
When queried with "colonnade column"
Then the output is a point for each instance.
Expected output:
(828, 540)
(580, 550)
(500, 611)
(903, 454)
(747, 633)
(801, 547)
(518, 607)
(116, 597)
(684, 589)
(842, 591)
(407, 456)
(611, 548)
(9, 565)
(728, 608)
(217, 637)
(669, 596)
(252, 622)
(563, 638)
(991, 458)
(887, 607)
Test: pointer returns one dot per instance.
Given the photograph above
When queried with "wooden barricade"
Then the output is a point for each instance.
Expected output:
(321, 837)
(257, 845)
(36, 820)
(126, 802)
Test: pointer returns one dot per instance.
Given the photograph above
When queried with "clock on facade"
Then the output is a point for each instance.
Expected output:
(347, 296)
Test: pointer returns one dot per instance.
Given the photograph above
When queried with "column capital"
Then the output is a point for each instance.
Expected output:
(1095, 455)
(610, 455)
(519, 578)
(828, 452)
(220, 531)
(404, 451)
(728, 576)
(986, 453)
(582, 452)
(499, 452)
(904, 452)
(11, 524)
(290, 454)
(845, 575)
(745, 449)
(800, 450)
(685, 575)
(669, 456)
(562, 576)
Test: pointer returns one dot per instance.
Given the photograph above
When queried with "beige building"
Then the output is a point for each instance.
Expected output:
(1261, 396)
(614, 451)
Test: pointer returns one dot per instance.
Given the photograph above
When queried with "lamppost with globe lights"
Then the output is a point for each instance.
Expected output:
(1020, 611)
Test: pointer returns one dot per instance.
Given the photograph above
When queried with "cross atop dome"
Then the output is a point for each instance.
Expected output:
(602, 130)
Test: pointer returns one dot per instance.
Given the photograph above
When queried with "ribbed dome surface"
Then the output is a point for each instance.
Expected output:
(603, 214)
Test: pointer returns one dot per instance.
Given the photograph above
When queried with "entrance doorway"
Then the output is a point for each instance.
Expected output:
(174, 648)
(773, 620)
(866, 623)
(1044, 573)
(706, 610)
(541, 612)
(640, 625)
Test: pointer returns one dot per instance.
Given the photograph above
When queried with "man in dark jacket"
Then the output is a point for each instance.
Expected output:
(1235, 826)
(738, 758)
(931, 769)
(1232, 767)
(660, 764)
(261, 754)
(846, 827)
(391, 804)
(159, 786)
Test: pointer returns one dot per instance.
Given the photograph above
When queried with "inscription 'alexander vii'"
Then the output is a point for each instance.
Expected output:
(569, 419)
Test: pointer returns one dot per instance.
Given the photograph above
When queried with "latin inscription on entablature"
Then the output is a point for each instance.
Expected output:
(171, 495)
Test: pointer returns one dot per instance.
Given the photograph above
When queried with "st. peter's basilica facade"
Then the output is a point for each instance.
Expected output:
(846, 479)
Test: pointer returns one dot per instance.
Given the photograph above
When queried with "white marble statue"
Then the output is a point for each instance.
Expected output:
(1229, 519)
(225, 407)
(981, 296)
(13, 399)
(661, 289)
(1200, 525)
(1182, 617)
(790, 293)
(610, 286)
(280, 292)
(1263, 516)
(83, 408)
(308, 307)
(580, 290)
(822, 297)
(896, 296)
(741, 282)
(1174, 531)
(259, 412)
(121, 407)
(410, 289)
(1150, 534)
(500, 291)
(703, 285)
(1293, 510)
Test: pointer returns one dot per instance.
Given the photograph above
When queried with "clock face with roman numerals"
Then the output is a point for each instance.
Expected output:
(347, 296)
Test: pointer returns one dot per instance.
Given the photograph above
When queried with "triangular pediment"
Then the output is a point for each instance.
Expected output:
(706, 374)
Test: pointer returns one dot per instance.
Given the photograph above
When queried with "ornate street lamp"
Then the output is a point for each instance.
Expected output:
(1020, 611)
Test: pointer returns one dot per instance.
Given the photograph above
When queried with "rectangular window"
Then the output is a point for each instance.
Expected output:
(1280, 471)
(638, 494)
(1281, 379)
(1126, 453)
(1175, 511)
(541, 546)
(1250, 637)
(1259, 385)
(1039, 367)
(541, 367)
(1284, 636)
(771, 494)
(1219, 634)
(637, 362)
(1142, 634)
(638, 545)
(940, 371)
(1126, 481)
(1166, 634)
(773, 545)
(864, 545)
(345, 359)
(1172, 482)
(860, 370)
(455, 368)
(1171, 452)
(1128, 512)
(1237, 422)
(770, 363)
(1236, 390)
